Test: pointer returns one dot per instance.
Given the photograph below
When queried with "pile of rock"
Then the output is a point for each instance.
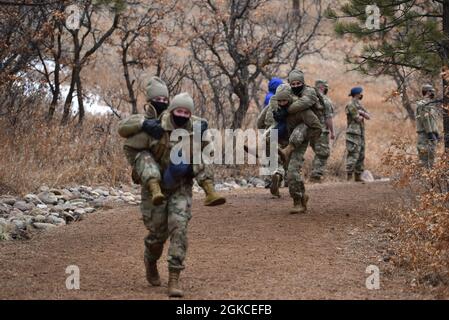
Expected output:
(50, 208)
(57, 207)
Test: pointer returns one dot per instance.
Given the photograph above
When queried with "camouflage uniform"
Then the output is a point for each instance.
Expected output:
(304, 108)
(136, 147)
(426, 123)
(171, 218)
(355, 138)
(321, 147)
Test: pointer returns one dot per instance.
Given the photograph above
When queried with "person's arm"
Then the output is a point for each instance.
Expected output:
(261, 118)
(353, 111)
(330, 127)
(131, 125)
(307, 101)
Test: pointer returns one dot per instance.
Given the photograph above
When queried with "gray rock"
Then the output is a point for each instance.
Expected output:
(79, 200)
(102, 192)
(20, 224)
(8, 200)
(89, 210)
(80, 211)
(44, 188)
(36, 212)
(243, 183)
(42, 206)
(5, 208)
(56, 192)
(43, 226)
(128, 198)
(48, 198)
(58, 208)
(32, 198)
(39, 218)
(68, 217)
(55, 220)
(23, 206)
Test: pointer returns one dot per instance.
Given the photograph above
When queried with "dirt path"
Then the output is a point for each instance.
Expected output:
(252, 248)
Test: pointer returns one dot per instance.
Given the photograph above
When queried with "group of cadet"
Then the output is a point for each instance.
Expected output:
(302, 116)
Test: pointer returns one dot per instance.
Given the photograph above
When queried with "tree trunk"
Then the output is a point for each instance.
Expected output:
(240, 113)
(407, 104)
(445, 81)
(129, 83)
(295, 6)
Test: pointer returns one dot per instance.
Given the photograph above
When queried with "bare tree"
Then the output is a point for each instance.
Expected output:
(89, 30)
(234, 42)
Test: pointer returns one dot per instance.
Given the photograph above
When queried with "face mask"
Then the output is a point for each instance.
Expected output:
(361, 97)
(159, 106)
(325, 91)
(180, 121)
(297, 90)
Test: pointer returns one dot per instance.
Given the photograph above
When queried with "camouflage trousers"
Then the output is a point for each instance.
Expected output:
(302, 133)
(426, 150)
(295, 179)
(169, 220)
(322, 151)
(355, 158)
(145, 168)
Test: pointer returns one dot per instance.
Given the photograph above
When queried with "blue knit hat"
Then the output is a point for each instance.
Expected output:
(356, 90)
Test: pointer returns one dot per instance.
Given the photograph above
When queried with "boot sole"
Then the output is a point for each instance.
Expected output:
(216, 202)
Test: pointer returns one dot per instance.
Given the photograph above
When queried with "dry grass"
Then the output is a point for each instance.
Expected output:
(422, 221)
(36, 153)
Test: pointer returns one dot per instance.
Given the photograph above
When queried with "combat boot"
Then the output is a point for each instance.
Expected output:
(212, 197)
(350, 176)
(157, 198)
(173, 284)
(152, 273)
(275, 185)
(286, 153)
(358, 177)
(298, 206)
(304, 201)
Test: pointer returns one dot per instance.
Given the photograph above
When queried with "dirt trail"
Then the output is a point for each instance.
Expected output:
(252, 248)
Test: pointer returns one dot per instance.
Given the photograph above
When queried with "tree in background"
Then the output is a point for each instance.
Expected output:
(412, 37)
(233, 43)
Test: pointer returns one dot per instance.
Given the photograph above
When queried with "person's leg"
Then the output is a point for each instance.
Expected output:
(148, 172)
(179, 209)
(352, 156)
(295, 180)
(360, 164)
(155, 220)
(322, 153)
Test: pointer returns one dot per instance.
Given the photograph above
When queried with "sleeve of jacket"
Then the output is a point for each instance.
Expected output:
(307, 101)
(429, 120)
(328, 108)
(131, 125)
(352, 110)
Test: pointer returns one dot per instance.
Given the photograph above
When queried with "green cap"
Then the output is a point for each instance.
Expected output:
(156, 87)
(296, 75)
(182, 100)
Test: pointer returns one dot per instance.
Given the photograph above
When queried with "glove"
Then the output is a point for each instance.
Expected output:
(153, 128)
(280, 114)
(432, 136)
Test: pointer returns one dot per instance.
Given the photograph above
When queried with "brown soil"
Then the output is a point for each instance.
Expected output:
(250, 248)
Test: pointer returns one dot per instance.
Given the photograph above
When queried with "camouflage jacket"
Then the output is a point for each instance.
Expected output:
(426, 116)
(328, 111)
(355, 126)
